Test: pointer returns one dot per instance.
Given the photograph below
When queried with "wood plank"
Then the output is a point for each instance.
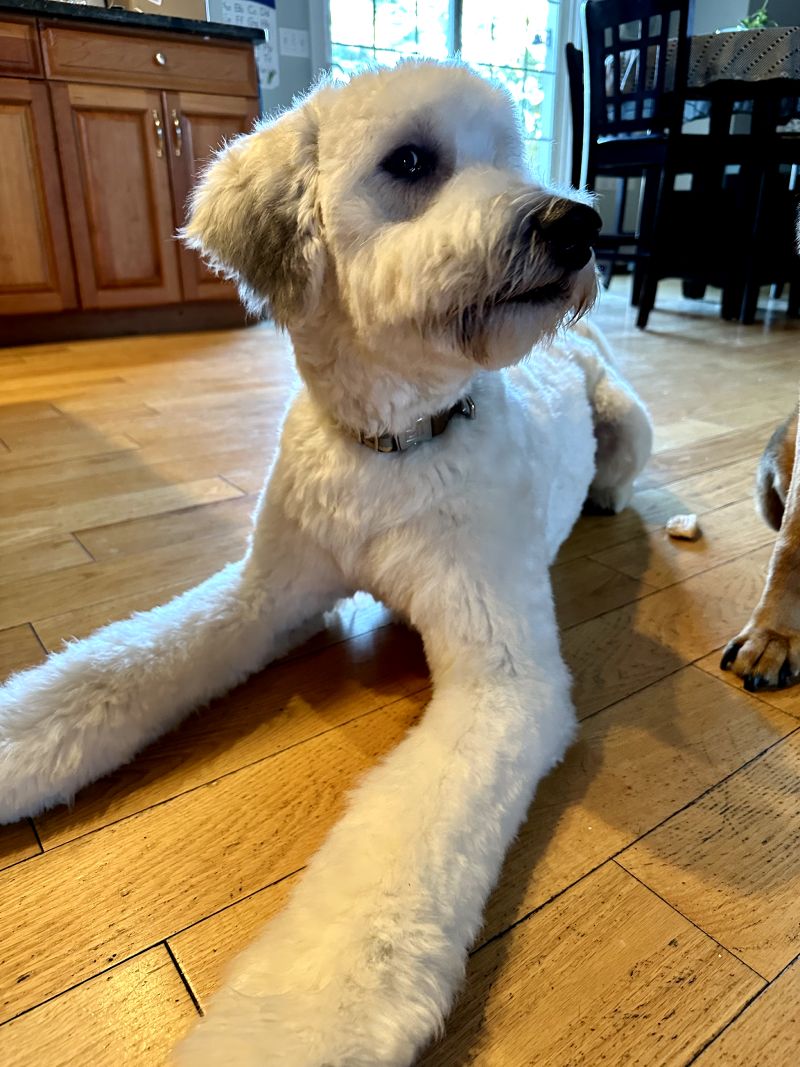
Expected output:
(133, 1014)
(101, 510)
(730, 863)
(222, 518)
(128, 470)
(18, 649)
(584, 588)
(650, 508)
(49, 452)
(17, 842)
(607, 973)
(204, 950)
(90, 583)
(283, 706)
(633, 646)
(658, 560)
(766, 1031)
(633, 765)
(158, 872)
(41, 554)
(709, 453)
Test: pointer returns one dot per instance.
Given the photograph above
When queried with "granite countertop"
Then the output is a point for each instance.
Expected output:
(117, 16)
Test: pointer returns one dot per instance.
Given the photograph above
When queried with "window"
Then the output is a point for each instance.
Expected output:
(513, 43)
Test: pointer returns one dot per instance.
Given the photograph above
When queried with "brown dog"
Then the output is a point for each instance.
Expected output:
(766, 654)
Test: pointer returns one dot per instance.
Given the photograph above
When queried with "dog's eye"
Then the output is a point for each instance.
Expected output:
(410, 163)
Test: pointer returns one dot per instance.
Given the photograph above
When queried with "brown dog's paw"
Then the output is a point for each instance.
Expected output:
(764, 658)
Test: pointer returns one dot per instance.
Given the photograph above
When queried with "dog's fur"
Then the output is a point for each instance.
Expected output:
(766, 653)
(396, 297)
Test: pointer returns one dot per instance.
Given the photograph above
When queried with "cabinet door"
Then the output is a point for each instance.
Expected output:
(114, 150)
(35, 259)
(198, 124)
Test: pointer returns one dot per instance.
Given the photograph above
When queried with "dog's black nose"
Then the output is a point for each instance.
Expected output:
(570, 235)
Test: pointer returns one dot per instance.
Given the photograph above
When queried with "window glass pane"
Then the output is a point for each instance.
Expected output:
(509, 34)
(351, 22)
(396, 27)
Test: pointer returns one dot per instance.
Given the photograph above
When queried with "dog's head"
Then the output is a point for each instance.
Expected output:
(399, 202)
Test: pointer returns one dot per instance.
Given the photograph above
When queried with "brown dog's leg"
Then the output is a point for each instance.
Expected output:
(766, 654)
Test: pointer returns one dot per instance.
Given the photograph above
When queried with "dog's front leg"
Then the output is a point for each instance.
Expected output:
(766, 653)
(362, 966)
(91, 707)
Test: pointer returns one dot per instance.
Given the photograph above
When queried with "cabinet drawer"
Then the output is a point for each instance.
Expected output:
(19, 48)
(160, 61)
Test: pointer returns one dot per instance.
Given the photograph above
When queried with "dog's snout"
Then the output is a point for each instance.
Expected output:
(570, 235)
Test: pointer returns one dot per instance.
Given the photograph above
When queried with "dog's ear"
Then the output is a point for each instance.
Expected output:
(254, 216)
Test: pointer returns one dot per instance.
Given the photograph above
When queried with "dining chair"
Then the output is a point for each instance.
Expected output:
(636, 61)
(620, 244)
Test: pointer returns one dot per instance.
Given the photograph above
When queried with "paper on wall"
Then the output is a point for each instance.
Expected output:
(258, 13)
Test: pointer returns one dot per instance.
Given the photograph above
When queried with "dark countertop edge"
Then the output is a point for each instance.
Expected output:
(117, 16)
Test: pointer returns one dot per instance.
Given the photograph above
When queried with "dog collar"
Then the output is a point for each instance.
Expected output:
(424, 429)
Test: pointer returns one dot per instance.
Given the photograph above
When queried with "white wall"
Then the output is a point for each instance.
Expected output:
(710, 15)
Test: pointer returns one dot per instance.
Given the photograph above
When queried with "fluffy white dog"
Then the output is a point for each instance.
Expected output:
(391, 227)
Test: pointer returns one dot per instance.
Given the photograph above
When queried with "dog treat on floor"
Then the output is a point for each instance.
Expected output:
(453, 418)
(684, 528)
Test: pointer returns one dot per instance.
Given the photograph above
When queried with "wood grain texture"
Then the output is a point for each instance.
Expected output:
(204, 950)
(19, 48)
(608, 973)
(115, 56)
(741, 839)
(36, 272)
(17, 842)
(766, 1032)
(121, 218)
(132, 1014)
(657, 560)
(19, 649)
(632, 766)
(626, 649)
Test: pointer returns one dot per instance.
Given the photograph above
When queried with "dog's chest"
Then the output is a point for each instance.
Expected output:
(517, 475)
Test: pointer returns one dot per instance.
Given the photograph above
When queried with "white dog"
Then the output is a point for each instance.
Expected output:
(390, 225)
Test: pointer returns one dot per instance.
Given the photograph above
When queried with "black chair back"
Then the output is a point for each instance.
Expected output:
(636, 55)
(574, 58)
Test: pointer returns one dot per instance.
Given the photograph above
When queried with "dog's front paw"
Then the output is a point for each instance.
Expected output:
(764, 657)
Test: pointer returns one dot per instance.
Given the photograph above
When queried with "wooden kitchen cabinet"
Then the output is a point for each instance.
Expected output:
(35, 261)
(103, 130)
(116, 176)
(198, 125)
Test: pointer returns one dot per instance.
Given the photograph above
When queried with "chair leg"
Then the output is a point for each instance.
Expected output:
(731, 305)
(656, 182)
(749, 305)
(647, 298)
(693, 289)
(793, 308)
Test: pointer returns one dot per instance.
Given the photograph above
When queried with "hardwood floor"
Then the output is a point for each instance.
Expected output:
(649, 911)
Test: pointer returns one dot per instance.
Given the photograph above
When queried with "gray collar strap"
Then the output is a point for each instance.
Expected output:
(424, 429)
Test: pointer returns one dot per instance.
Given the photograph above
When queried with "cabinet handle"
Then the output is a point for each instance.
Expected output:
(160, 59)
(159, 134)
(178, 132)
